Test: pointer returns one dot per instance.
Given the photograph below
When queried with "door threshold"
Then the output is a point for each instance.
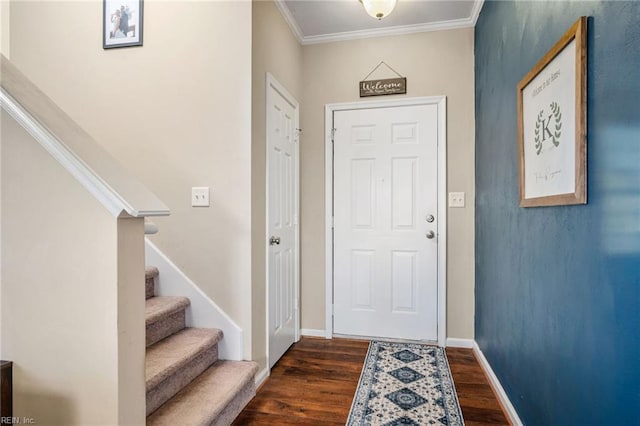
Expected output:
(385, 339)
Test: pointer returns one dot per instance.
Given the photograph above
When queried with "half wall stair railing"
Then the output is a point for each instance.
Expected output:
(32, 121)
(104, 177)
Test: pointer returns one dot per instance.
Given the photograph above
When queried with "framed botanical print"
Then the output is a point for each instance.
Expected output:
(552, 122)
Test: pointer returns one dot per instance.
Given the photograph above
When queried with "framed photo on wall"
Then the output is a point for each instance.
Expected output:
(122, 23)
(552, 123)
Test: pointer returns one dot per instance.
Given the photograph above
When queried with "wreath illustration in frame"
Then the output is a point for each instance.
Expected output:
(552, 121)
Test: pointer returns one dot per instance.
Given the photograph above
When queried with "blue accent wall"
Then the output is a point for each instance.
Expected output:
(558, 288)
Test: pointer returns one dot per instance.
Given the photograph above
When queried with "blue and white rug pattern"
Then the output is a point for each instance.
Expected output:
(405, 384)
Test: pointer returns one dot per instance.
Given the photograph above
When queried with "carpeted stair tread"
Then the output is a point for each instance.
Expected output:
(159, 307)
(164, 316)
(172, 354)
(151, 273)
(215, 397)
(185, 381)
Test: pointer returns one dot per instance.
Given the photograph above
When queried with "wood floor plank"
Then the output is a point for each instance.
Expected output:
(314, 384)
(478, 402)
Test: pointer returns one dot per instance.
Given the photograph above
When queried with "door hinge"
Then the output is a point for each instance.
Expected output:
(333, 222)
(333, 134)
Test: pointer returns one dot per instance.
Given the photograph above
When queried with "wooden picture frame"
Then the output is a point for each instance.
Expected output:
(122, 23)
(552, 124)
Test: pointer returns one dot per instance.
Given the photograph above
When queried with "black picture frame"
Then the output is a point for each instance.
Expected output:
(115, 31)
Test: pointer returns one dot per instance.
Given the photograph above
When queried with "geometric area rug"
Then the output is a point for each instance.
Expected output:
(405, 384)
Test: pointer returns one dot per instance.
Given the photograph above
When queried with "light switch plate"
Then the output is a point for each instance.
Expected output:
(456, 199)
(200, 196)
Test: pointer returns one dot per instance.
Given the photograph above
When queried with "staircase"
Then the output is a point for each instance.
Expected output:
(186, 383)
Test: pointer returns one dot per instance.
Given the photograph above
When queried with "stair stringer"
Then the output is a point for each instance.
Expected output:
(203, 312)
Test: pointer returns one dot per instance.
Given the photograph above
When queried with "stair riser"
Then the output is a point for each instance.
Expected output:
(165, 327)
(233, 409)
(161, 393)
(149, 285)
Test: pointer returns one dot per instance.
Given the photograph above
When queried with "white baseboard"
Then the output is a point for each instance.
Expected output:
(453, 342)
(312, 332)
(262, 376)
(203, 312)
(497, 387)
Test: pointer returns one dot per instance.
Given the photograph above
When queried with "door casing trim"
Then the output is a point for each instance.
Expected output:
(271, 82)
(330, 109)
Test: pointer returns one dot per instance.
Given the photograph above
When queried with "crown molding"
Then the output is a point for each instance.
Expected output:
(469, 22)
(290, 20)
(475, 12)
(389, 31)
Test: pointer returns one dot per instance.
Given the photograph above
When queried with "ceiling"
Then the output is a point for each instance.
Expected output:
(321, 21)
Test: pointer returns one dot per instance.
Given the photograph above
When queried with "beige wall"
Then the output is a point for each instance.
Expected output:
(71, 321)
(5, 32)
(176, 112)
(131, 313)
(435, 63)
(275, 50)
(4, 49)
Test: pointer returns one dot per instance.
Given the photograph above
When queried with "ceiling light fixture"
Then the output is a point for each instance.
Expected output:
(378, 8)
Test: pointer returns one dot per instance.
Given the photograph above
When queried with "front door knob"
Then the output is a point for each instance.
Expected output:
(430, 235)
(274, 241)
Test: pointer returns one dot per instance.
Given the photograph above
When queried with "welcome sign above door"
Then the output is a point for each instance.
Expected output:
(385, 86)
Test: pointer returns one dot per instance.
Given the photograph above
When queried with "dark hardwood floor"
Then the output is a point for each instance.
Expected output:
(477, 400)
(314, 384)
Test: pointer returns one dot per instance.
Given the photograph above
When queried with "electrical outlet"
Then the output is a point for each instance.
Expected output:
(456, 199)
(200, 196)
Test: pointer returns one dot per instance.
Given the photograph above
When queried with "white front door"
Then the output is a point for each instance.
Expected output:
(282, 219)
(385, 222)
